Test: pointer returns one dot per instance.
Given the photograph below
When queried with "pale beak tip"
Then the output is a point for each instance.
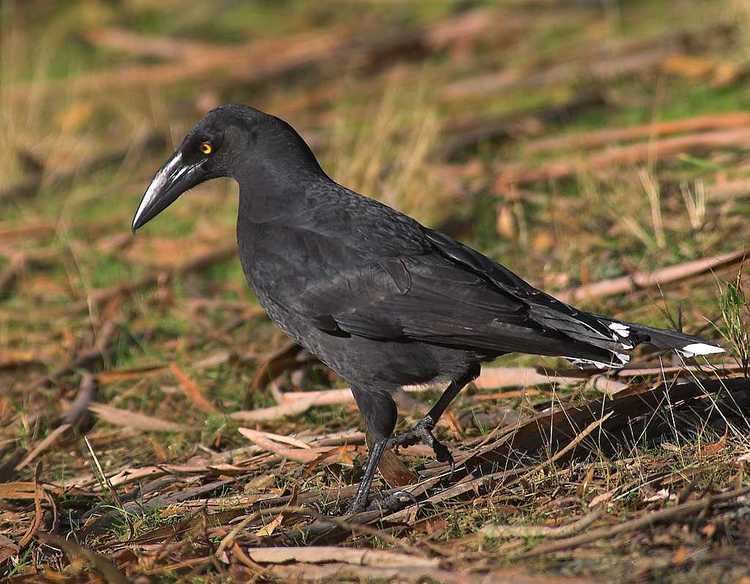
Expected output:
(135, 226)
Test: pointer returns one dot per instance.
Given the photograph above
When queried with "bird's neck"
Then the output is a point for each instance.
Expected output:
(269, 194)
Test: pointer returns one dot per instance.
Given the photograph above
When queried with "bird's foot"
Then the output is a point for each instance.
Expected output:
(385, 504)
(422, 432)
(358, 505)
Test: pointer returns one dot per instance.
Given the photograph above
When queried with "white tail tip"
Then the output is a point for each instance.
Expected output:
(695, 349)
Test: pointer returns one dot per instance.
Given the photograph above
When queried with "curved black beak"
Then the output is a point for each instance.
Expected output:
(173, 179)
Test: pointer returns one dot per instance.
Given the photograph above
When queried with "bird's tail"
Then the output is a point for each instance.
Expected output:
(686, 345)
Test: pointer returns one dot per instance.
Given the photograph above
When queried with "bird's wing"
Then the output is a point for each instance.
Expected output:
(430, 298)
(399, 280)
(413, 298)
(545, 310)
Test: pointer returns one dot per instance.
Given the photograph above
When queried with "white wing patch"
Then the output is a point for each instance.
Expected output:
(620, 329)
(623, 358)
(695, 349)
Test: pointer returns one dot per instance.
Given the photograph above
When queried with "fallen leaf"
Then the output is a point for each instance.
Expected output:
(709, 529)
(105, 377)
(681, 556)
(191, 390)
(714, 447)
(298, 454)
(269, 528)
(660, 495)
(251, 434)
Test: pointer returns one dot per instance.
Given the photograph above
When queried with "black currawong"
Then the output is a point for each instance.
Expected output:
(379, 298)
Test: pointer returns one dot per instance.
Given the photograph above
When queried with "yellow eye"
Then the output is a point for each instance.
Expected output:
(206, 148)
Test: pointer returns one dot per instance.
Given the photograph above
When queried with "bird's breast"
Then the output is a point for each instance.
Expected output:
(280, 263)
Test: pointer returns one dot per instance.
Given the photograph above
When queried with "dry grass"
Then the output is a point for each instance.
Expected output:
(141, 472)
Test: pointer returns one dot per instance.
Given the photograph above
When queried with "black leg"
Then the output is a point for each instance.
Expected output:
(422, 430)
(379, 413)
(450, 393)
(360, 499)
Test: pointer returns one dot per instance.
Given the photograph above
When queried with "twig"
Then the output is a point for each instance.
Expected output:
(297, 402)
(78, 410)
(38, 513)
(323, 554)
(572, 445)
(44, 445)
(272, 57)
(142, 45)
(498, 531)
(228, 539)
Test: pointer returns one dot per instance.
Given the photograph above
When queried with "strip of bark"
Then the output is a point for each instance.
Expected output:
(134, 420)
(655, 279)
(632, 154)
(297, 402)
(649, 131)
(324, 554)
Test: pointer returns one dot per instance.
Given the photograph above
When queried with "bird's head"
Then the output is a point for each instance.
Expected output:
(230, 141)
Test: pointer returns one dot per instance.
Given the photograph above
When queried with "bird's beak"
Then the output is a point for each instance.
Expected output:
(173, 179)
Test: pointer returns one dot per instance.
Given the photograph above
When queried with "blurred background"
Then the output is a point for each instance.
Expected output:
(577, 142)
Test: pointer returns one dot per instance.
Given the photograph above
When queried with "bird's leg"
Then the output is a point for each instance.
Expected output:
(422, 430)
(379, 413)
(376, 453)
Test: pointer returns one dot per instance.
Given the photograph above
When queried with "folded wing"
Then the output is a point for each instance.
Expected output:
(450, 295)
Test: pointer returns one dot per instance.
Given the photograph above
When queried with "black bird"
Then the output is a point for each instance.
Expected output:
(379, 298)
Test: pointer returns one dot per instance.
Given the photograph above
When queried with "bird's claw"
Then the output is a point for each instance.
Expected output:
(357, 506)
(422, 432)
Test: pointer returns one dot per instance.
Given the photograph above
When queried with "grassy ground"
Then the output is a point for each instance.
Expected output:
(497, 123)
